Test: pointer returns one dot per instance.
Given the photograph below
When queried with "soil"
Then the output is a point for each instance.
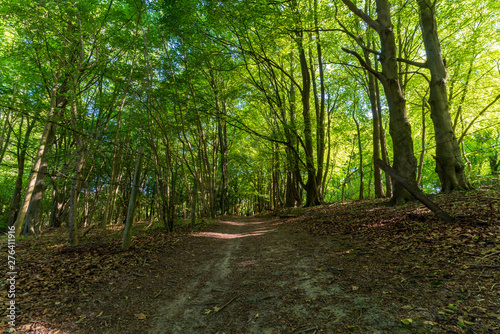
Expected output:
(358, 267)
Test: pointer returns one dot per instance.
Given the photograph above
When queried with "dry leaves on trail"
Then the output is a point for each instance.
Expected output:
(59, 284)
(413, 257)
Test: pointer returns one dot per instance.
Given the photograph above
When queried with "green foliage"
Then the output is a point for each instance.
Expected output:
(200, 82)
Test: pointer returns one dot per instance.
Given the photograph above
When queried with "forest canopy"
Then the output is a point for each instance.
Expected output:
(240, 106)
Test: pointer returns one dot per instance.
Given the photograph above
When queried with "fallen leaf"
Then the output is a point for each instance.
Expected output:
(430, 323)
(140, 316)
(407, 321)
(494, 315)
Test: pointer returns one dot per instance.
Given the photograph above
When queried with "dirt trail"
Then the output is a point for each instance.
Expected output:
(358, 267)
(258, 275)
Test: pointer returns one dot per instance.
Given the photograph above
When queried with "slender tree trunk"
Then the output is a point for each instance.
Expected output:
(127, 231)
(383, 147)
(73, 199)
(193, 201)
(422, 152)
(372, 92)
(5, 135)
(449, 164)
(319, 104)
(311, 187)
(312, 193)
(348, 170)
(360, 147)
(292, 197)
(22, 148)
(405, 163)
(44, 147)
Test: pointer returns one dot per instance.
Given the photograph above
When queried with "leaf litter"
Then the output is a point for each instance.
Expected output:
(423, 275)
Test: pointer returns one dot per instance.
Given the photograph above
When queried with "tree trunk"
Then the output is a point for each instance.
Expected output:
(193, 201)
(422, 152)
(449, 164)
(360, 147)
(127, 231)
(45, 143)
(292, 197)
(311, 187)
(405, 163)
(33, 215)
(22, 147)
(312, 193)
(416, 192)
(372, 92)
(383, 144)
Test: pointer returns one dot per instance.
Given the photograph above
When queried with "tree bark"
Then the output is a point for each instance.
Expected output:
(22, 148)
(32, 220)
(73, 199)
(360, 147)
(416, 192)
(376, 122)
(312, 193)
(399, 127)
(43, 148)
(449, 164)
(127, 231)
(422, 152)
(383, 144)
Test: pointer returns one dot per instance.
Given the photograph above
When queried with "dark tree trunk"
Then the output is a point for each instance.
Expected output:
(21, 158)
(360, 147)
(405, 163)
(372, 92)
(311, 187)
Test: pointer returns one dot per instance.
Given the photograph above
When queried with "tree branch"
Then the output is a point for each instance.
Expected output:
(363, 63)
(414, 63)
(475, 118)
(365, 17)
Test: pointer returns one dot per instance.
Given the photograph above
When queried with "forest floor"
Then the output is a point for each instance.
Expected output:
(357, 267)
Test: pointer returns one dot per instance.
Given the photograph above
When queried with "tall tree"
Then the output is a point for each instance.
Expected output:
(405, 163)
(449, 164)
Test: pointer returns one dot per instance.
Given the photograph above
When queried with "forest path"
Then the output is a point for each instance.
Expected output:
(257, 275)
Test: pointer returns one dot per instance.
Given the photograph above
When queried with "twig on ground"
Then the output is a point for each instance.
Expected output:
(226, 304)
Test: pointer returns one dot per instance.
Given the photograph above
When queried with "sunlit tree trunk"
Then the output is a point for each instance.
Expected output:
(449, 164)
(43, 148)
(422, 152)
(383, 144)
(33, 215)
(405, 163)
(360, 148)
